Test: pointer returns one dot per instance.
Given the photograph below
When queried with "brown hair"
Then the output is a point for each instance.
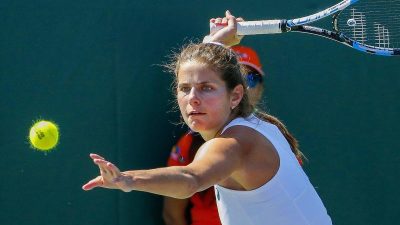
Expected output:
(225, 61)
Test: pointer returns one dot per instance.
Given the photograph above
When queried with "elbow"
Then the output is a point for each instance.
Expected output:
(193, 186)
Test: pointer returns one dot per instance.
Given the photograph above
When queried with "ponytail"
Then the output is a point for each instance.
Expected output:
(294, 145)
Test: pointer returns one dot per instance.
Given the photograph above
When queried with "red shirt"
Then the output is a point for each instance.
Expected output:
(204, 208)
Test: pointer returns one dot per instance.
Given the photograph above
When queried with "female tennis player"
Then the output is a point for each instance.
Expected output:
(201, 208)
(248, 159)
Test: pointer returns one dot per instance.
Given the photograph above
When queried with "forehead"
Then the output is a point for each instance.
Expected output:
(196, 71)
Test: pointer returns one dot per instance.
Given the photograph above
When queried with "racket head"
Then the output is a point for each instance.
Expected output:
(371, 26)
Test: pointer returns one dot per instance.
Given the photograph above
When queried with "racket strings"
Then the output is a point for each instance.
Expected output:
(359, 26)
(375, 23)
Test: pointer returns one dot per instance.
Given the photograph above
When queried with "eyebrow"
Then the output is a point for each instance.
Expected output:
(201, 83)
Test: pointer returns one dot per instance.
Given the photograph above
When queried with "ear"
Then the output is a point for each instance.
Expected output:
(236, 95)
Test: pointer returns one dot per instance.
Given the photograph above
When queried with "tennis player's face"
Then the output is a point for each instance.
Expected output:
(203, 99)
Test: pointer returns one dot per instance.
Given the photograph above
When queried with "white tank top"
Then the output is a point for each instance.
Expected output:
(287, 199)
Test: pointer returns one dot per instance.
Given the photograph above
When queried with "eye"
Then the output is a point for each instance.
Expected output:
(184, 89)
(207, 88)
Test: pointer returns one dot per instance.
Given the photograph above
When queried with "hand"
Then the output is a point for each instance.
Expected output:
(226, 35)
(110, 176)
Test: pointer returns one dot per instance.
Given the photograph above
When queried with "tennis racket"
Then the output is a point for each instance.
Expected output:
(370, 26)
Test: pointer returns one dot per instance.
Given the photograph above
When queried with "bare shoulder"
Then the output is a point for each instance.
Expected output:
(240, 159)
(220, 145)
(239, 132)
(237, 140)
(251, 143)
(245, 136)
(259, 158)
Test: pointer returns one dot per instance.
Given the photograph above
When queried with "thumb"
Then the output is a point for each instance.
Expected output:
(96, 182)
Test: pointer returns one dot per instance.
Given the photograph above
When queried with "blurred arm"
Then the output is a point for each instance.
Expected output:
(174, 211)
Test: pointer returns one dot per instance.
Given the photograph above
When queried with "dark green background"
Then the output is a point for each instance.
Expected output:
(93, 67)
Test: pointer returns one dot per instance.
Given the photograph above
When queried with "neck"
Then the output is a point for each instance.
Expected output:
(216, 133)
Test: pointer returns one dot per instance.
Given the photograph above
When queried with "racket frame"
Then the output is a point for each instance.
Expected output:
(300, 25)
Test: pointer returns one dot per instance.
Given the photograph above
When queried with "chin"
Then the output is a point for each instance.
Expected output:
(195, 126)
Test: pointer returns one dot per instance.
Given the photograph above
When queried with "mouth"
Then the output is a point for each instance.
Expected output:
(195, 113)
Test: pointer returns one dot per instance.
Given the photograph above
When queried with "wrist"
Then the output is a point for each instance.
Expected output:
(208, 39)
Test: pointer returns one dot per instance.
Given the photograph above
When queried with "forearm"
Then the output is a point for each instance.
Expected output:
(176, 181)
(209, 167)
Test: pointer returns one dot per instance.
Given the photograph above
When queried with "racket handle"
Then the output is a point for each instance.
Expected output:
(255, 27)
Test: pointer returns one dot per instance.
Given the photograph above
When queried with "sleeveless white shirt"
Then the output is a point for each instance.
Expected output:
(287, 199)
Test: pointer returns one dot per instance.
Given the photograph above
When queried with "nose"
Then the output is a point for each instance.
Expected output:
(193, 97)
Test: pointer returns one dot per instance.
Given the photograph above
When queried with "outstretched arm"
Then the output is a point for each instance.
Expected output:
(217, 159)
(174, 181)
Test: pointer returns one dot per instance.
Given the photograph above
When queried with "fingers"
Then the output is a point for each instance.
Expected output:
(222, 21)
(228, 21)
(95, 156)
(225, 30)
(219, 21)
(231, 20)
(112, 176)
(107, 169)
(228, 13)
(109, 175)
(96, 182)
(113, 168)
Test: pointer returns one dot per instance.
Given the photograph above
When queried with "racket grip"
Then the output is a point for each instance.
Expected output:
(255, 27)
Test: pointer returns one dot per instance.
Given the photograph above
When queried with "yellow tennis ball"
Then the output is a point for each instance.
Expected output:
(43, 135)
